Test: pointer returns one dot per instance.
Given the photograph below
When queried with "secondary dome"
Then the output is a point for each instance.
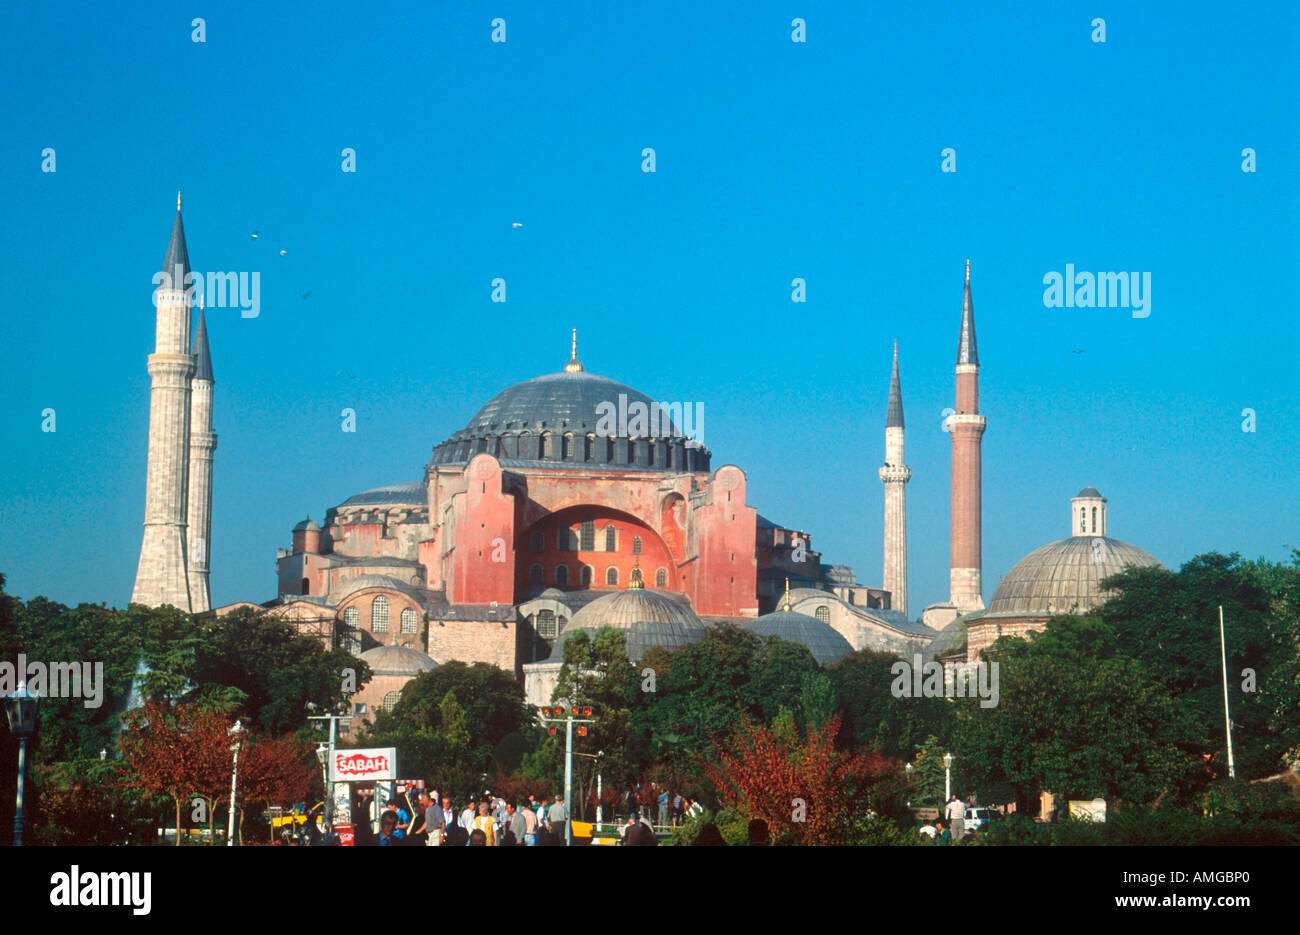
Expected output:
(581, 420)
(822, 640)
(397, 660)
(647, 618)
(1065, 577)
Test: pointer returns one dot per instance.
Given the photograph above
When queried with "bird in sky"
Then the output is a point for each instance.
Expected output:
(283, 252)
(254, 234)
(517, 224)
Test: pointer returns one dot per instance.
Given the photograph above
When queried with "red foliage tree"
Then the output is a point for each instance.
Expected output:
(762, 776)
(174, 751)
(275, 771)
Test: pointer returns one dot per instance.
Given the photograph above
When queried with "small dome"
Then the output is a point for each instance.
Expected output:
(370, 581)
(621, 609)
(822, 640)
(307, 525)
(397, 660)
(1064, 577)
(412, 494)
(647, 617)
(1088, 492)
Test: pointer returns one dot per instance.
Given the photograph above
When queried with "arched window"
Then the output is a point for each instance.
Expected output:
(1083, 519)
(611, 540)
(568, 447)
(539, 543)
(585, 575)
(591, 448)
(548, 445)
(824, 612)
(546, 624)
(409, 621)
(379, 615)
(536, 575)
(561, 574)
(306, 586)
(1094, 529)
(611, 576)
(352, 630)
(588, 534)
(636, 544)
(391, 700)
(661, 578)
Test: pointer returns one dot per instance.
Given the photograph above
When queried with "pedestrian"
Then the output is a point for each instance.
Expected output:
(955, 812)
(530, 825)
(558, 816)
(388, 830)
(403, 819)
(418, 832)
(709, 836)
(478, 838)
(662, 802)
(468, 815)
(945, 836)
(516, 825)
(678, 806)
(487, 824)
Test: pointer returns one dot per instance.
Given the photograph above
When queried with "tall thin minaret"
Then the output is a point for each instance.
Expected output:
(894, 475)
(161, 577)
(203, 442)
(966, 426)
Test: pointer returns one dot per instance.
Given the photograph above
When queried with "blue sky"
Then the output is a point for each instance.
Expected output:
(775, 160)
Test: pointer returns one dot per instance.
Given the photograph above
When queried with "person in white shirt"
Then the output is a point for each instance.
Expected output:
(955, 812)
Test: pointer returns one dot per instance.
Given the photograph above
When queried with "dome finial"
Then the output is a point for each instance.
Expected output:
(573, 366)
(786, 605)
(635, 581)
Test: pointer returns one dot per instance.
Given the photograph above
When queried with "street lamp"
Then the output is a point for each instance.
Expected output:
(947, 776)
(20, 708)
(237, 734)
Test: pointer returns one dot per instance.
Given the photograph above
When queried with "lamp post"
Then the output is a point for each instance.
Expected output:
(328, 755)
(907, 771)
(947, 777)
(20, 708)
(237, 733)
(557, 715)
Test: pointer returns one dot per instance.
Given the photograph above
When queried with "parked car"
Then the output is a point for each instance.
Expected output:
(977, 818)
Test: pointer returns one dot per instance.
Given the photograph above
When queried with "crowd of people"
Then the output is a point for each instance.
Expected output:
(486, 821)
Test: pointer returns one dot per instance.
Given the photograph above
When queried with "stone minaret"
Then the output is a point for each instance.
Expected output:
(894, 475)
(966, 426)
(203, 442)
(162, 577)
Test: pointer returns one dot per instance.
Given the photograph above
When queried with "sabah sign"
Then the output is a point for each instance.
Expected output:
(376, 764)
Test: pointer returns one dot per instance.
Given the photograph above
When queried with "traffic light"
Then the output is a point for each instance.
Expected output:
(582, 730)
(586, 712)
(552, 731)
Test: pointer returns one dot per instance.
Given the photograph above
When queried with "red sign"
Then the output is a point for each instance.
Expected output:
(373, 765)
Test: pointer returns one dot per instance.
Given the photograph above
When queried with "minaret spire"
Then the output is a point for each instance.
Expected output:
(895, 475)
(162, 575)
(966, 427)
(203, 442)
(573, 366)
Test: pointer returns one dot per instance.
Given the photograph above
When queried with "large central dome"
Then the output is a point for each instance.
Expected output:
(564, 401)
(577, 419)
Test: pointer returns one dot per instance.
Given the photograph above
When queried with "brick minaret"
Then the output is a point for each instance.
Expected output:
(161, 577)
(894, 475)
(203, 442)
(966, 426)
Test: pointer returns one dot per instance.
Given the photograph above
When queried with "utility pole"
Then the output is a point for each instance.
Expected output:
(237, 732)
(1227, 721)
(557, 715)
(329, 762)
